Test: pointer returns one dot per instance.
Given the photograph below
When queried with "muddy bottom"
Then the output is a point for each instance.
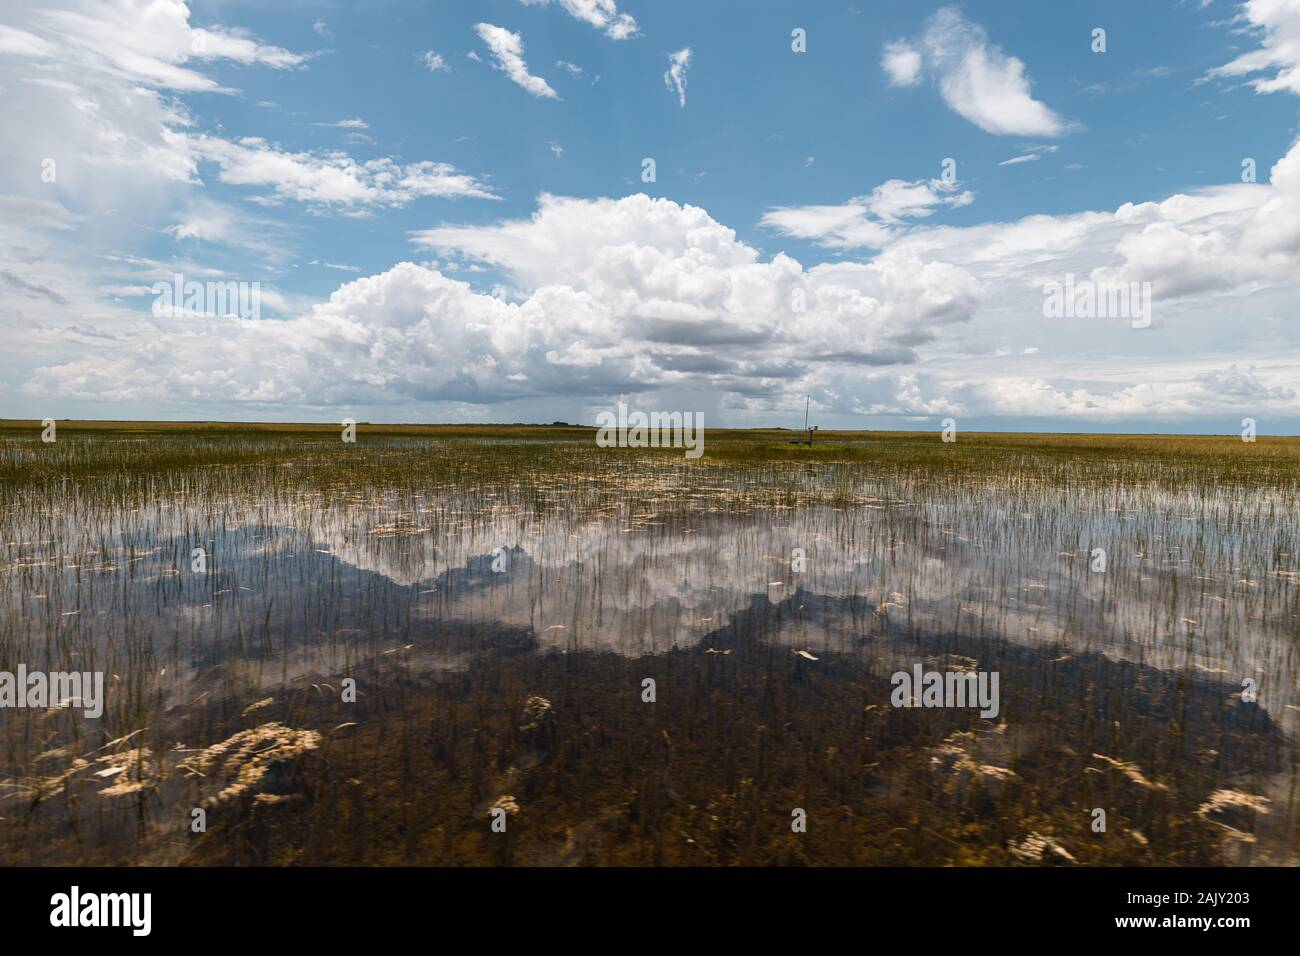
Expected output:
(753, 751)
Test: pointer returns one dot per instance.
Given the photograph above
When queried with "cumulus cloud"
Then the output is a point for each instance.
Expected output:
(598, 298)
(901, 395)
(612, 295)
(588, 299)
(1215, 258)
(1218, 240)
(1213, 392)
(675, 75)
(1278, 24)
(1242, 387)
(434, 62)
(508, 51)
(593, 299)
(105, 77)
(871, 220)
(976, 79)
(1215, 240)
(672, 274)
(601, 14)
(902, 63)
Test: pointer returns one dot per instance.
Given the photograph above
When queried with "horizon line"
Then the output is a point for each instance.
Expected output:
(224, 424)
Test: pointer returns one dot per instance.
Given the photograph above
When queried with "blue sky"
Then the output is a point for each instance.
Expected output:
(312, 147)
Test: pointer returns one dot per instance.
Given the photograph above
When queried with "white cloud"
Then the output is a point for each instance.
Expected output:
(435, 63)
(594, 298)
(347, 124)
(102, 75)
(601, 14)
(206, 220)
(675, 76)
(216, 43)
(1278, 22)
(613, 294)
(1242, 387)
(1217, 392)
(508, 50)
(871, 220)
(1031, 154)
(204, 226)
(1218, 240)
(1219, 260)
(1214, 240)
(15, 42)
(137, 42)
(902, 63)
(333, 179)
(976, 79)
(892, 394)
(598, 298)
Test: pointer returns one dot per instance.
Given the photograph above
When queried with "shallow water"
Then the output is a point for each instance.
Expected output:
(312, 584)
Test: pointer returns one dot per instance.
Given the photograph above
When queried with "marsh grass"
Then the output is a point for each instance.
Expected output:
(373, 561)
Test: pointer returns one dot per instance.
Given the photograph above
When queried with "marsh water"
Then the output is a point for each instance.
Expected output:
(229, 577)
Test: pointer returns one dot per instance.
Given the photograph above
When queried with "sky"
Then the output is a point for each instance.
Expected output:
(531, 210)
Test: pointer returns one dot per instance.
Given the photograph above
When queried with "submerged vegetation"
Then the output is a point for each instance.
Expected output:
(386, 641)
